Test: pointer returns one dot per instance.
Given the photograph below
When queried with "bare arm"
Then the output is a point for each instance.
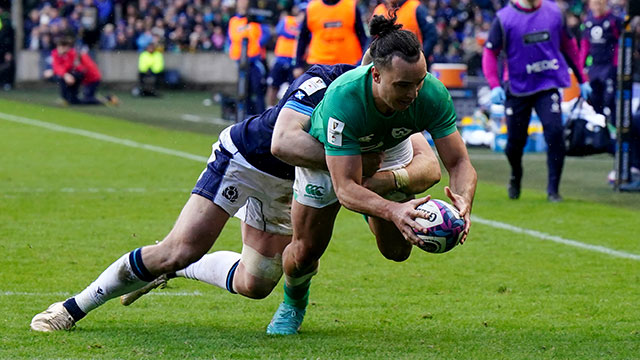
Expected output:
(462, 175)
(424, 171)
(346, 175)
(292, 143)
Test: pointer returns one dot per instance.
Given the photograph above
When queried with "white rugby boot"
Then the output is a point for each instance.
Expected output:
(55, 318)
(128, 299)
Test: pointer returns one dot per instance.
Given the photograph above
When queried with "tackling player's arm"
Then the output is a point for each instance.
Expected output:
(422, 173)
(293, 144)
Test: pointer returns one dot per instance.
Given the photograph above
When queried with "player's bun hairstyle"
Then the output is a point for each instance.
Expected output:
(390, 40)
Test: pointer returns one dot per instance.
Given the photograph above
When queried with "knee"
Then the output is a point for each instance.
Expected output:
(397, 255)
(305, 254)
(174, 257)
(257, 288)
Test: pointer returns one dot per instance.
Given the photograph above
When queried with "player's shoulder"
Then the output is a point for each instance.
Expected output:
(434, 89)
(351, 81)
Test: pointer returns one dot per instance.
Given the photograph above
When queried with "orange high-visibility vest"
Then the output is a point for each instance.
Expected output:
(287, 47)
(333, 34)
(406, 16)
(238, 30)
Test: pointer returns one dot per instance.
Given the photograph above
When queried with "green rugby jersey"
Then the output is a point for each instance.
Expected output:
(347, 122)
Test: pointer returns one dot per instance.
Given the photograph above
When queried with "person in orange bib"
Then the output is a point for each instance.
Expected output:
(258, 36)
(413, 16)
(331, 33)
(287, 30)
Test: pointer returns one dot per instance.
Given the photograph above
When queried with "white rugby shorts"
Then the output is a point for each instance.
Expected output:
(261, 200)
(314, 187)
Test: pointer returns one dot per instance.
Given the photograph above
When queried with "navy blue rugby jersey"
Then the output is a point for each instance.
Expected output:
(252, 136)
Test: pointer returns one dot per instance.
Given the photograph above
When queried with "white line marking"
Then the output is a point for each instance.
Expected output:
(62, 293)
(533, 157)
(185, 155)
(200, 119)
(102, 137)
(91, 190)
(557, 239)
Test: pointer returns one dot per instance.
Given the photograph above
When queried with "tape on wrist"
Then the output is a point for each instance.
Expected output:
(401, 178)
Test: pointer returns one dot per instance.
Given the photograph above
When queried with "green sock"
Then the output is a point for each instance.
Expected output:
(297, 296)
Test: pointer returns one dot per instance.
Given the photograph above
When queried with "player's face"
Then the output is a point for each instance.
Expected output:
(400, 83)
(597, 6)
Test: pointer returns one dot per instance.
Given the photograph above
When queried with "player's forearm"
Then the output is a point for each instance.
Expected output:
(357, 198)
(463, 180)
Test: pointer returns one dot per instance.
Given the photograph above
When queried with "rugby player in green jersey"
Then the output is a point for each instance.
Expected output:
(372, 108)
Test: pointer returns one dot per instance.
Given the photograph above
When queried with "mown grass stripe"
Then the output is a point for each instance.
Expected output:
(102, 137)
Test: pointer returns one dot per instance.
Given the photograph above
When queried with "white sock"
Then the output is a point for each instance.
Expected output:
(117, 280)
(212, 268)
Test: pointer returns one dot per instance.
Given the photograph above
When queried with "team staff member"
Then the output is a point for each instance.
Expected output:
(332, 32)
(602, 30)
(258, 36)
(388, 102)
(150, 70)
(241, 174)
(538, 49)
(287, 31)
(413, 16)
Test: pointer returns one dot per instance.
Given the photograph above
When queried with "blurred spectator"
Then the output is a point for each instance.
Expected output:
(257, 35)
(287, 31)
(332, 32)
(150, 70)
(600, 42)
(108, 39)
(412, 15)
(7, 61)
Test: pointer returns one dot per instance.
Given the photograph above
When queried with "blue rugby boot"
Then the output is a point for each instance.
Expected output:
(286, 321)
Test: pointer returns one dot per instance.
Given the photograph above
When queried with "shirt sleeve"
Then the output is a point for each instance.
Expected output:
(444, 122)
(337, 120)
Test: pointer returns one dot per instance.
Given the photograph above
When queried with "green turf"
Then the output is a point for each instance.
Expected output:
(70, 205)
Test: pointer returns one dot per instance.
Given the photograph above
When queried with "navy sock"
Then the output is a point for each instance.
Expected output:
(73, 309)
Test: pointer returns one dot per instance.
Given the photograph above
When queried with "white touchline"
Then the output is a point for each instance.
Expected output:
(103, 137)
(62, 293)
(134, 144)
(557, 239)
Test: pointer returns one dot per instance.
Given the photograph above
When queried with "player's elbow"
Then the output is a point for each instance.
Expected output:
(277, 148)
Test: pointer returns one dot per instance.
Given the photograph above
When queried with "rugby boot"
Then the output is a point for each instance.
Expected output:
(286, 321)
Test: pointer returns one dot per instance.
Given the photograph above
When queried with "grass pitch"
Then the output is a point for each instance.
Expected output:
(72, 202)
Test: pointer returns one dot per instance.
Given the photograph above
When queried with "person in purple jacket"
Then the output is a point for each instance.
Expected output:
(600, 41)
(539, 51)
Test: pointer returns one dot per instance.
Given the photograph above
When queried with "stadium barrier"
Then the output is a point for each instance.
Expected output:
(122, 67)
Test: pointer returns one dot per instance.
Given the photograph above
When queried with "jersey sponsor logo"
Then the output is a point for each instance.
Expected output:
(334, 132)
(366, 138)
(542, 65)
(333, 24)
(371, 147)
(299, 95)
(597, 34)
(310, 86)
(536, 37)
(230, 193)
(314, 191)
(400, 132)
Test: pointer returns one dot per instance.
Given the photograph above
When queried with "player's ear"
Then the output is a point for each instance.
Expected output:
(375, 74)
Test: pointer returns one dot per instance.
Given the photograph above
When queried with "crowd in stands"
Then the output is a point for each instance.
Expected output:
(201, 25)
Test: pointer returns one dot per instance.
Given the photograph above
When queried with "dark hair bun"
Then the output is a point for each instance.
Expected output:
(381, 26)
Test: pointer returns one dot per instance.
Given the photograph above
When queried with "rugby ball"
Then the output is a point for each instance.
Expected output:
(444, 226)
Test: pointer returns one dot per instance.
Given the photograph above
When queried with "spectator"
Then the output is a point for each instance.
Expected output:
(7, 62)
(108, 39)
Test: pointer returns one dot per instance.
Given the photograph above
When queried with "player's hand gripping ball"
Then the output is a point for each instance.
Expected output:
(444, 226)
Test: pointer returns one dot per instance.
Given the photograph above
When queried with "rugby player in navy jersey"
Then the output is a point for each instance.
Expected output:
(538, 50)
(602, 30)
(244, 179)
